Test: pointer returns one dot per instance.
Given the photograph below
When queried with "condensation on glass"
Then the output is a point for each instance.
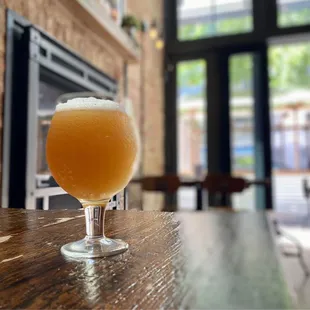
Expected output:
(209, 18)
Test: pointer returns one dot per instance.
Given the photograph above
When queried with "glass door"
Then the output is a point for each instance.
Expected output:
(227, 112)
(238, 122)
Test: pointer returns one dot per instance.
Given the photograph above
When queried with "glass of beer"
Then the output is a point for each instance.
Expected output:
(92, 150)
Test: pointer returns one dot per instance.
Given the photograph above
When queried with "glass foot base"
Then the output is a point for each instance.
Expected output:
(95, 247)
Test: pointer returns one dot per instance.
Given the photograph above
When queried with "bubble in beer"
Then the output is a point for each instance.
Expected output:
(92, 148)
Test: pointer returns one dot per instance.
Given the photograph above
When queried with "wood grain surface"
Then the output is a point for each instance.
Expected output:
(176, 260)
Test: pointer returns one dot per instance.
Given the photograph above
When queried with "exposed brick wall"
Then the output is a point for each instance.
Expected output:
(72, 31)
(153, 87)
(151, 122)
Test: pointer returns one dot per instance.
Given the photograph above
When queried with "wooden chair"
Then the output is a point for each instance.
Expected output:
(168, 184)
(225, 185)
(220, 185)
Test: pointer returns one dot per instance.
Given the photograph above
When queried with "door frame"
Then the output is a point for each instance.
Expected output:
(218, 118)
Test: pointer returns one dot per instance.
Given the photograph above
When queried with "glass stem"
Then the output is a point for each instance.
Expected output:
(94, 217)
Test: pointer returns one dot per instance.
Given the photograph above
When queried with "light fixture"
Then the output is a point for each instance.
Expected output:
(159, 44)
(153, 30)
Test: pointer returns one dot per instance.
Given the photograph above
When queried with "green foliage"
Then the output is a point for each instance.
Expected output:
(289, 65)
(222, 27)
(191, 73)
(131, 21)
(296, 18)
(241, 73)
(244, 162)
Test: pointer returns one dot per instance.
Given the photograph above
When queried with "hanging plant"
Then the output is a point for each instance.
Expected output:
(131, 21)
(130, 24)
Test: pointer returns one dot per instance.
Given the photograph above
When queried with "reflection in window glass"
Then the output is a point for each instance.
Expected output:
(208, 18)
(293, 12)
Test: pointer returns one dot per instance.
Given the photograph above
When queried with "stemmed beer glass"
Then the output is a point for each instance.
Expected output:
(92, 150)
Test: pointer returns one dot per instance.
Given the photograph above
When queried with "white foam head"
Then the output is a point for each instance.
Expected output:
(89, 103)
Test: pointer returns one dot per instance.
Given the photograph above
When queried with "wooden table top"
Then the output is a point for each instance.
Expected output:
(176, 260)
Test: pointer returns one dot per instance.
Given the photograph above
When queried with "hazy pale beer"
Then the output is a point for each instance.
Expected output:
(92, 148)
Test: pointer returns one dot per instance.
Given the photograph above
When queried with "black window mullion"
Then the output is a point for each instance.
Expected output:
(170, 20)
(170, 128)
(170, 88)
(272, 16)
(218, 117)
(262, 140)
(264, 17)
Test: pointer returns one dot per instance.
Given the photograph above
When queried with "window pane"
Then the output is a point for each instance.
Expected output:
(242, 125)
(293, 12)
(208, 18)
(192, 163)
(290, 99)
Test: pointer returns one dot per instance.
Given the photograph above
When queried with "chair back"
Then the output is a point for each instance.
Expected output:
(224, 184)
(166, 183)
